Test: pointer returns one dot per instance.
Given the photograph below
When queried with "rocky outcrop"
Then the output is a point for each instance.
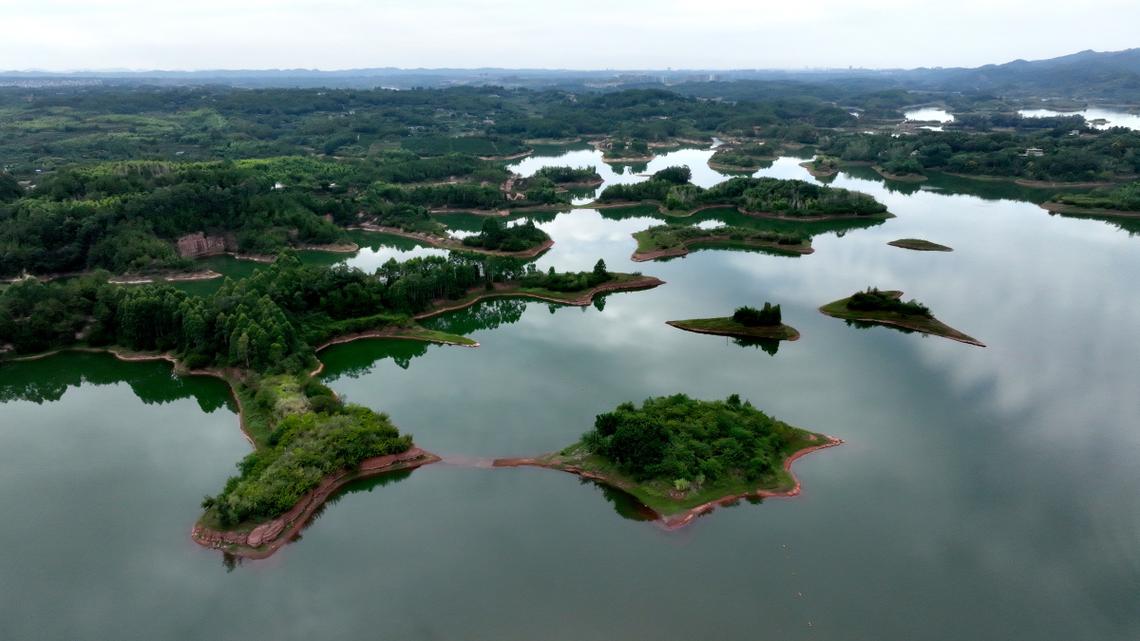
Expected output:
(198, 244)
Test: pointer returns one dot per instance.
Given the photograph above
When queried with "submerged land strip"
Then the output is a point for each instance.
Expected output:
(917, 244)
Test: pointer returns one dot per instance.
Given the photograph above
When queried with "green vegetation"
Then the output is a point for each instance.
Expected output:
(494, 236)
(769, 316)
(876, 307)
(569, 175)
(625, 149)
(674, 452)
(676, 240)
(760, 196)
(1089, 156)
(310, 434)
(746, 323)
(918, 244)
(822, 166)
(744, 157)
(1125, 198)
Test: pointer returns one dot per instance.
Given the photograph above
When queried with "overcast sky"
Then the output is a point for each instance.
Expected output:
(583, 34)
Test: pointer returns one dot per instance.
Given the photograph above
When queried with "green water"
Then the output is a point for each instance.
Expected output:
(982, 493)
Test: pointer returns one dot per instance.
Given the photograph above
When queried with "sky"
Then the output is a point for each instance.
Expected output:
(62, 35)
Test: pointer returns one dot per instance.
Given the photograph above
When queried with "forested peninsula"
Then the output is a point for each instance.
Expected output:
(261, 335)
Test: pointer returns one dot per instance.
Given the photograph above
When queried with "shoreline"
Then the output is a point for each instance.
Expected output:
(819, 173)
(790, 333)
(886, 215)
(681, 519)
(452, 244)
(688, 246)
(266, 538)
(1075, 210)
(584, 297)
(937, 327)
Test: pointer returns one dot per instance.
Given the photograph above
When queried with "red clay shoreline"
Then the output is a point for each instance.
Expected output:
(266, 538)
(680, 520)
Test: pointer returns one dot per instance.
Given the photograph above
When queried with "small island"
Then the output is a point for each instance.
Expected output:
(877, 307)
(673, 193)
(668, 241)
(745, 322)
(748, 158)
(822, 166)
(682, 457)
(570, 177)
(917, 244)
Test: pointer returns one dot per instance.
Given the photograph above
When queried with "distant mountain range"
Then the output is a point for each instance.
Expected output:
(1110, 75)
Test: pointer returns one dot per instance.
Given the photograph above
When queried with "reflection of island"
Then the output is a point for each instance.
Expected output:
(887, 308)
(682, 457)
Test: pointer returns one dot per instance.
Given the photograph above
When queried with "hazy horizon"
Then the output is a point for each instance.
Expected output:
(338, 35)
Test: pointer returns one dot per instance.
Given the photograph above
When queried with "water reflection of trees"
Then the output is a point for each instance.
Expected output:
(48, 379)
(767, 345)
(489, 314)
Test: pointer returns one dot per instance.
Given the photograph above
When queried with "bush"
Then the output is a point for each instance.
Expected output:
(752, 317)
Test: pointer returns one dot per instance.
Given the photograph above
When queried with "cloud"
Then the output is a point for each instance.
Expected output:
(65, 34)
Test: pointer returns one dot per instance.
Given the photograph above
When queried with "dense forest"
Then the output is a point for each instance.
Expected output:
(874, 300)
(688, 442)
(671, 188)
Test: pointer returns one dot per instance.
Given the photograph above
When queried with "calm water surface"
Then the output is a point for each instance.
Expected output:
(1113, 118)
(982, 493)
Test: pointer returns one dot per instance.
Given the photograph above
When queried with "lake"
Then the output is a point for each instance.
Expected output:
(1112, 118)
(981, 494)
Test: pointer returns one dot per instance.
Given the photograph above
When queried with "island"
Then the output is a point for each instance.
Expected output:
(261, 335)
(683, 457)
(673, 193)
(570, 177)
(918, 244)
(745, 157)
(822, 166)
(877, 307)
(667, 241)
(495, 239)
(745, 323)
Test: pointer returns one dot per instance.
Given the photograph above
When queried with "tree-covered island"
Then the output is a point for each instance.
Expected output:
(1121, 201)
(746, 323)
(879, 307)
(681, 457)
(261, 335)
(671, 190)
(668, 241)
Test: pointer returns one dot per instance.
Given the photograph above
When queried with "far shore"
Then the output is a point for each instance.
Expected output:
(629, 204)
